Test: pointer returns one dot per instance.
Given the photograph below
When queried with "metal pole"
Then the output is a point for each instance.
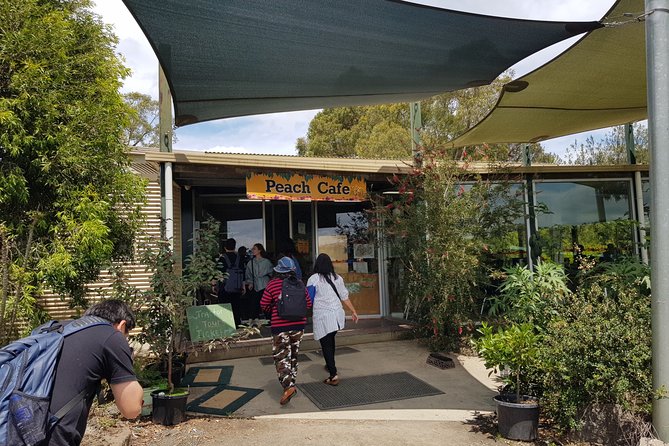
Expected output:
(165, 128)
(641, 218)
(416, 125)
(638, 193)
(657, 73)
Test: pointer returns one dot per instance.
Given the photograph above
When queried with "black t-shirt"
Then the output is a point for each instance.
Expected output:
(88, 356)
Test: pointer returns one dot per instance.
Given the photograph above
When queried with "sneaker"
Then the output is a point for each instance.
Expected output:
(287, 395)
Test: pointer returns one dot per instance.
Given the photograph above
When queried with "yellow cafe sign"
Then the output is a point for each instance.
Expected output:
(305, 187)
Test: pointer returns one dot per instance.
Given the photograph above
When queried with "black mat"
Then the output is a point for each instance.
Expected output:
(267, 360)
(218, 375)
(338, 351)
(367, 390)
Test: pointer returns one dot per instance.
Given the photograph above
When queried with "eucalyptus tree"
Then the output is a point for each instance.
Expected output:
(142, 130)
(68, 201)
(383, 131)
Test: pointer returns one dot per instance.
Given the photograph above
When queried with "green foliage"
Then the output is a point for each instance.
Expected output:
(443, 231)
(531, 296)
(142, 130)
(163, 317)
(68, 202)
(598, 349)
(383, 131)
(514, 348)
(611, 149)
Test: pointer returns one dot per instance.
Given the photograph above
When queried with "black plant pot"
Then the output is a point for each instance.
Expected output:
(517, 420)
(169, 409)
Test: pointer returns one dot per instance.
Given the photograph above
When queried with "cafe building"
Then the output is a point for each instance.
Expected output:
(321, 204)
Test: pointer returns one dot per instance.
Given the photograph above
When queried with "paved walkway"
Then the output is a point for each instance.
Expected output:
(467, 388)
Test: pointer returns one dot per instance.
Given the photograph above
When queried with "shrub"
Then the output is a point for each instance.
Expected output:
(528, 296)
(598, 350)
(444, 230)
(514, 348)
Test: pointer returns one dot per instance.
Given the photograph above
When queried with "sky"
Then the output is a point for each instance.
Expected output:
(276, 133)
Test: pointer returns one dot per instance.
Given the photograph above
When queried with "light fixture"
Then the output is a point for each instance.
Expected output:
(391, 192)
(253, 200)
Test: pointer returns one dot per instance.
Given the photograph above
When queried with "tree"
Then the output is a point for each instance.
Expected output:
(143, 129)
(68, 202)
(383, 131)
(448, 234)
(611, 149)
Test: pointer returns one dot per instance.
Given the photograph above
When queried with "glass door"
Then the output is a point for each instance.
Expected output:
(343, 233)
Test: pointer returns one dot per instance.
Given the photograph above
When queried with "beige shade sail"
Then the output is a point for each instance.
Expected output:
(597, 83)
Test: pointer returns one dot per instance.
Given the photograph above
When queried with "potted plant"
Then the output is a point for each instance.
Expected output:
(164, 321)
(513, 348)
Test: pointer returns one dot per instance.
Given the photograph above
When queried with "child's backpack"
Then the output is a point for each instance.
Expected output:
(292, 304)
(235, 281)
(27, 373)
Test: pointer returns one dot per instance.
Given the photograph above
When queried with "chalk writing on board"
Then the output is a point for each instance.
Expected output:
(207, 322)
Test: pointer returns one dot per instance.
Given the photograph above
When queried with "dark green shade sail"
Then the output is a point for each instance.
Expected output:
(226, 58)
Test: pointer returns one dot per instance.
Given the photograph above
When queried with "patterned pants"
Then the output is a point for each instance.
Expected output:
(285, 346)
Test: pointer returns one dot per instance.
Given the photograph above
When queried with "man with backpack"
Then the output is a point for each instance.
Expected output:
(230, 290)
(54, 375)
(287, 300)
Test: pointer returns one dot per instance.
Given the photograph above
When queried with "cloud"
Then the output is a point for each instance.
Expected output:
(272, 133)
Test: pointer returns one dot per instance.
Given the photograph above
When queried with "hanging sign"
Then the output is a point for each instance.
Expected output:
(305, 187)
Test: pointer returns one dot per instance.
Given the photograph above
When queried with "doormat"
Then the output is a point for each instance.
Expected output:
(222, 400)
(267, 360)
(367, 390)
(339, 351)
(217, 375)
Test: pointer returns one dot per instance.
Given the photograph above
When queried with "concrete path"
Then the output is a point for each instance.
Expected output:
(467, 389)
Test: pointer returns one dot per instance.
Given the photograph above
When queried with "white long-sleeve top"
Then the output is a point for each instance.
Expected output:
(328, 314)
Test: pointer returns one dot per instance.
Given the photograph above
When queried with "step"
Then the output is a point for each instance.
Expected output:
(380, 332)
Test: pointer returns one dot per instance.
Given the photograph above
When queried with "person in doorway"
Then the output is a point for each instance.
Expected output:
(286, 335)
(328, 315)
(88, 356)
(230, 262)
(258, 273)
(288, 250)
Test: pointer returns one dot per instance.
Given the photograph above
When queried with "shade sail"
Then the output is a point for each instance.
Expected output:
(599, 82)
(226, 58)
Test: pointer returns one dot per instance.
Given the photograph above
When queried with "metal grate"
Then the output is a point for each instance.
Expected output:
(367, 390)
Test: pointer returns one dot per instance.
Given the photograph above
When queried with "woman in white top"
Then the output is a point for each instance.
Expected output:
(329, 315)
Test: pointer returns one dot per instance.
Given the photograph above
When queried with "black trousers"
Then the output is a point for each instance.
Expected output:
(252, 304)
(328, 349)
(235, 300)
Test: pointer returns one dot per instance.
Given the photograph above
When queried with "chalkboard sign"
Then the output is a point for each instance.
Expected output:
(207, 322)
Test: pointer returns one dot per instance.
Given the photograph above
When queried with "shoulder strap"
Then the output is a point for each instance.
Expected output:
(227, 260)
(327, 277)
(82, 323)
(70, 405)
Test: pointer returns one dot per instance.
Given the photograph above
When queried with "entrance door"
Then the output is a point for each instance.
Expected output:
(344, 235)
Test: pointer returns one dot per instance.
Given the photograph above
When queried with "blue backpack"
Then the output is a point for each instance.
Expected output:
(27, 373)
(235, 281)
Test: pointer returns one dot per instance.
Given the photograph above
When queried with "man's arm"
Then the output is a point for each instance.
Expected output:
(128, 397)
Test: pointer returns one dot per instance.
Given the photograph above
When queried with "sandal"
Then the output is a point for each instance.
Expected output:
(332, 380)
